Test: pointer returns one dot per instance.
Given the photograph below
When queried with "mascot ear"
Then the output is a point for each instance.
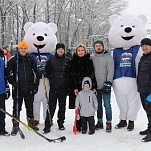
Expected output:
(53, 26)
(27, 26)
(143, 18)
(112, 18)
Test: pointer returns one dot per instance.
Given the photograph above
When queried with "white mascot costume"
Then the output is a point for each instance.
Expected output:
(41, 35)
(125, 34)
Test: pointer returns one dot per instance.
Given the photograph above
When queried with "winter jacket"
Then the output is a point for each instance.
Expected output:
(27, 73)
(144, 74)
(86, 101)
(104, 68)
(2, 77)
(57, 71)
(81, 67)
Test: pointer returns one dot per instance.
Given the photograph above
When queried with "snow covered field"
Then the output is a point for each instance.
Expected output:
(117, 140)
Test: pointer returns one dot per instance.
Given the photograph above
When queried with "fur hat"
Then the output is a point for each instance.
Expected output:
(60, 45)
(98, 41)
(22, 43)
(146, 41)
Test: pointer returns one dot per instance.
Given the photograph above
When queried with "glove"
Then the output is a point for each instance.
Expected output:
(35, 89)
(107, 87)
(7, 94)
(41, 69)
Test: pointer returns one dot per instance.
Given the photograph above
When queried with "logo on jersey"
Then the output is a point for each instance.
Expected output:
(125, 59)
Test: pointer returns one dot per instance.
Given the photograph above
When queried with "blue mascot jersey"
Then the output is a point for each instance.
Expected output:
(41, 66)
(124, 62)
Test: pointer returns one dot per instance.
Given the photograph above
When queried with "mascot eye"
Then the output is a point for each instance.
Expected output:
(122, 25)
(33, 34)
(45, 34)
(133, 26)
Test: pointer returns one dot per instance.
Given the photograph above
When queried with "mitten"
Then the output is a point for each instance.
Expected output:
(107, 87)
(7, 94)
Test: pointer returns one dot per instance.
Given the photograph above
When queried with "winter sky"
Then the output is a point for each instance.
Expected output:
(137, 7)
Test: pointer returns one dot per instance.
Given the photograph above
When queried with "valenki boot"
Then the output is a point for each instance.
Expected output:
(14, 129)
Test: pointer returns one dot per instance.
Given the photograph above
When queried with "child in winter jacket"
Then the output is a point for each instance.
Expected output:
(87, 104)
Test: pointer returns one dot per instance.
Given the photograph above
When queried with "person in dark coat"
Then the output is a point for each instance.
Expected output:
(144, 84)
(27, 85)
(57, 72)
(80, 66)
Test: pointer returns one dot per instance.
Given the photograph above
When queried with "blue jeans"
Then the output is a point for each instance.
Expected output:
(107, 105)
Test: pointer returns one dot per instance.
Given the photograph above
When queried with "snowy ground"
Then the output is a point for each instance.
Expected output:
(117, 140)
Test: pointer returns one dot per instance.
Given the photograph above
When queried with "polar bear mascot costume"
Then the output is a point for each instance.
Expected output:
(125, 34)
(41, 36)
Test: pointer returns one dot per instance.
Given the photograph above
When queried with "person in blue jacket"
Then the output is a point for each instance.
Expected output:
(3, 132)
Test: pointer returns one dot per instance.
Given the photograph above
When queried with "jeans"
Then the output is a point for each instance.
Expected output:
(107, 104)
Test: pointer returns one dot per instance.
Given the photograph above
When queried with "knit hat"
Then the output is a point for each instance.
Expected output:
(87, 82)
(146, 41)
(22, 43)
(98, 41)
(60, 45)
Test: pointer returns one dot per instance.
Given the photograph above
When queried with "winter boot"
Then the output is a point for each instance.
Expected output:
(143, 132)
(14, 129)
(99, 125)
(4, 133)
(31, 124)
(108, 127)
(36, 122)
(46, 130)
(91, 132)
(130, 126)
(121, 124)
(84, 131)
(147, 138)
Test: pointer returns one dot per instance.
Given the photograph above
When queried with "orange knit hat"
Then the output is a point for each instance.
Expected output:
(22, 43)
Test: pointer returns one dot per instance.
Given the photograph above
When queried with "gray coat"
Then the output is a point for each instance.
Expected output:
(104, 68)
(86, 101)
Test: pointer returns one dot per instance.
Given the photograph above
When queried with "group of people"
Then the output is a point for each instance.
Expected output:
(86, 79)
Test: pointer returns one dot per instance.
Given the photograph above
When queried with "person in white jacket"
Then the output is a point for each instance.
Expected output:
(87, 104)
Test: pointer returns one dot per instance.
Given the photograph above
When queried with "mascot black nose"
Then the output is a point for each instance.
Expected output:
(128, 30)
(40, 38)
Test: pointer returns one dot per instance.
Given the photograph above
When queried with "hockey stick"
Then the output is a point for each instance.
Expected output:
(17, 96)
(60, 139)
(45, 89)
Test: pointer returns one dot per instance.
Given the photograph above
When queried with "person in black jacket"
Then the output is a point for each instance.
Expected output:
(57, 72)
(144, 84)
(27, 84)
(80, 66)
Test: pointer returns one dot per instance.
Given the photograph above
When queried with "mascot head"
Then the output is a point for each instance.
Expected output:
(40, 35)
(126, 30)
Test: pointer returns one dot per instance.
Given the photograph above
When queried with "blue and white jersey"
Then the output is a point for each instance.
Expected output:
(124, 62)
(41, 64)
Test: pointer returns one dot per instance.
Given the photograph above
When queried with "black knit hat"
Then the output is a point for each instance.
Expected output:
(98, 41)
(87, 82)
(146, 41)
(60, 45)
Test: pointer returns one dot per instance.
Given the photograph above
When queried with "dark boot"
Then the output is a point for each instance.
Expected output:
(147, 138)
(121, 124)
(14, 129)
(130, 126)
(31, 124)
(143, 132)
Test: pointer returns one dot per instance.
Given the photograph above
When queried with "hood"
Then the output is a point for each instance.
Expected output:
(87, 79)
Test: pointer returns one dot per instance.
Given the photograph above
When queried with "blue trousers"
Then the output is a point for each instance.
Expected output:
(104, 98)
